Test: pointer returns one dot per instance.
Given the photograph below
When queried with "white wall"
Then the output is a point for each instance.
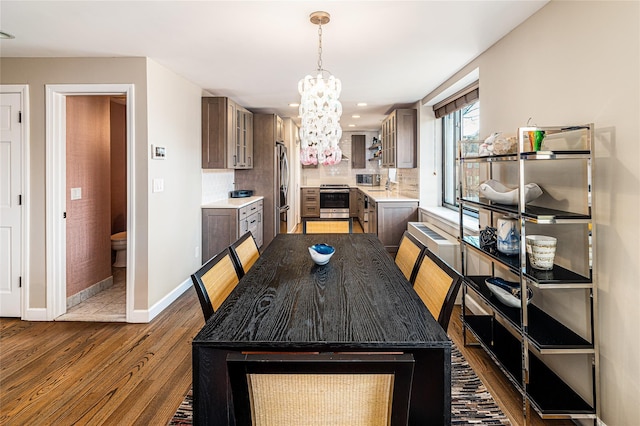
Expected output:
(174, 220)
(37, 72)
(167, 224)
(579, 62)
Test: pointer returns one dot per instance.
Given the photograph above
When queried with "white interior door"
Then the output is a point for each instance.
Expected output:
(10, 205)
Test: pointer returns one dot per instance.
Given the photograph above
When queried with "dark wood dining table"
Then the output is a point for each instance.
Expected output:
(359, 302)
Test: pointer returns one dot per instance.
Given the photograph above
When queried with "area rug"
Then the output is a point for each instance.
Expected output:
(471, 403)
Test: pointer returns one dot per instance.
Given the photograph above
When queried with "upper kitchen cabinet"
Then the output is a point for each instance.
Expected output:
(399, 139)
(227, 134)
(279, 129)
(358, 156)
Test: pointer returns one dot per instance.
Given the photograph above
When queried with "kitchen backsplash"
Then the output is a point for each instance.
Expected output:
(216, 185)
(341, 172)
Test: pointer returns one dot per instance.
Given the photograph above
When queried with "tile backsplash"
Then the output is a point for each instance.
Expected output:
(216, 184)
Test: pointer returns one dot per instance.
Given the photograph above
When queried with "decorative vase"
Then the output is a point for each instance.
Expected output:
(508, 241)
(535, 139)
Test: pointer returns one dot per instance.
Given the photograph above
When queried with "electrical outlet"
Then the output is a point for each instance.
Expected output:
(76, 193)
(197, 251)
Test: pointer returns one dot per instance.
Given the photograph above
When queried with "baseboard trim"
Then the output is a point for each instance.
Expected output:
(35, 314)
(147, 315)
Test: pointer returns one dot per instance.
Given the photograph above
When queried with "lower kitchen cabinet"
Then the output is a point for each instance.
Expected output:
(389, 220)
(310, 202)
(353, 202)
(223, 226)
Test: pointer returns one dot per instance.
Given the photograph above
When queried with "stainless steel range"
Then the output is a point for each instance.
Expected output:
(334, 201)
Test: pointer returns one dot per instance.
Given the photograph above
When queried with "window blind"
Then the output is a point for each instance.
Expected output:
(464, 97)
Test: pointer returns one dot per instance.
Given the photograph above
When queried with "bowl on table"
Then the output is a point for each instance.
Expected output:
(507, 292)
(321, 253)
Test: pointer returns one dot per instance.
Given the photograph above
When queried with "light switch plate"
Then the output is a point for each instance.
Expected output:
(76, 193)
(158, 185)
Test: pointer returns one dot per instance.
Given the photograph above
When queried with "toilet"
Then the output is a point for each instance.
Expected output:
(119, 245)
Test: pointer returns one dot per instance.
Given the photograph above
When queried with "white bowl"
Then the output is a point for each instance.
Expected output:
(507, 292)
(498, 193)
(542, 251)
(321, 253)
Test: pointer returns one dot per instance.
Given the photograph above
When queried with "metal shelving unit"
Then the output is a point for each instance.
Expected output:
(520, 340)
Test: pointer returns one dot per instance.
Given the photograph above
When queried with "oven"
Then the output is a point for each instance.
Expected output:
(334, 201)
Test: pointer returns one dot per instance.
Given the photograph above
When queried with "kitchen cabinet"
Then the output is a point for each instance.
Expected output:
(227, 134)
(372, 217)
(310, 199)
(362, 211)
(279, 129)
(353, 202)
(389, 220)
(399, 139)
(358, 152)
(223, 226)
(548, 347)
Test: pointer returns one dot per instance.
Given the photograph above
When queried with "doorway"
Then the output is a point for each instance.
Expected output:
(80, 221)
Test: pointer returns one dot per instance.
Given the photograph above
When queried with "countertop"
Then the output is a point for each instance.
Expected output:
(381, 195)
(378, 193)
(232, 203)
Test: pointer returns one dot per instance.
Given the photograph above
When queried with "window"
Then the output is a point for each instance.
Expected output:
(460, 116)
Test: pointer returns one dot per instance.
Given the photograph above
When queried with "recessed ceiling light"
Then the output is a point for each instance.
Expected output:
(294, 104)
(4, 35)
(362, 104)
(355, 116)
(352, 125)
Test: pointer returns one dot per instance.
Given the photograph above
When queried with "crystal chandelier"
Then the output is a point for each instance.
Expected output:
(320, 110)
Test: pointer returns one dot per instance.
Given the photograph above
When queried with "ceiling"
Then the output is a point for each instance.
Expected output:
(386, 53)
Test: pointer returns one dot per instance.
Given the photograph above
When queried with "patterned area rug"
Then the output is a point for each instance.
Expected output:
(471, 403)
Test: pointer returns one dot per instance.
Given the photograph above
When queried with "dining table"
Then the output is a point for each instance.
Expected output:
(358, 302)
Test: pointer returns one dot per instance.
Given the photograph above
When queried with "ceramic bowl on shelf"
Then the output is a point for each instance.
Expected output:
(498, 193)
(507, 292)
(321, 253)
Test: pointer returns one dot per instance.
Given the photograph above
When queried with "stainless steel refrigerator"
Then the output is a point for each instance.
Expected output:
(283, 185)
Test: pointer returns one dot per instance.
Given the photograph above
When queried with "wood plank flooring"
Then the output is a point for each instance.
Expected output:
(67, 373)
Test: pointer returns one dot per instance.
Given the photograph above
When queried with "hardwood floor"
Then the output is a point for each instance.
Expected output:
(115, 373)
(97, 373)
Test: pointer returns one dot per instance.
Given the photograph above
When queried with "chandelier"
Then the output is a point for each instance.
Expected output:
(320, 110)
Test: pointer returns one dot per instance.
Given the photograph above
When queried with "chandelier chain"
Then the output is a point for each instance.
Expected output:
(319, 47)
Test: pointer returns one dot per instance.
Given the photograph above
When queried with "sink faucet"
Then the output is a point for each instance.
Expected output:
(387, 185)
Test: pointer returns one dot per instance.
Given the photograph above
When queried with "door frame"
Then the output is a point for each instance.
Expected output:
(56, 275)
(23, 91)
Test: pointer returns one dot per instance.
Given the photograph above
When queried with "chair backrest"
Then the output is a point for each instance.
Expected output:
(437, 285)
(320, 389)
(328, 227)
(245, 253)
(409, 253)
(214, 281)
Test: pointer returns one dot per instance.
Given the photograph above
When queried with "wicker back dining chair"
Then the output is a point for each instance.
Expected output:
(320, 389)
(311, 226)
(214, 281)
(408, 255)
(437, 284)
(245, 253)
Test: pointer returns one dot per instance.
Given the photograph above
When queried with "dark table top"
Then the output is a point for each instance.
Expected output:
(359, 300)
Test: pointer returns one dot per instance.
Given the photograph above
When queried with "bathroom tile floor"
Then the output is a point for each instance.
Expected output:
(107, 306)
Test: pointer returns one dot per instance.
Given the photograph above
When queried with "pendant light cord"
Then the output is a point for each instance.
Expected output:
(320, 47)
